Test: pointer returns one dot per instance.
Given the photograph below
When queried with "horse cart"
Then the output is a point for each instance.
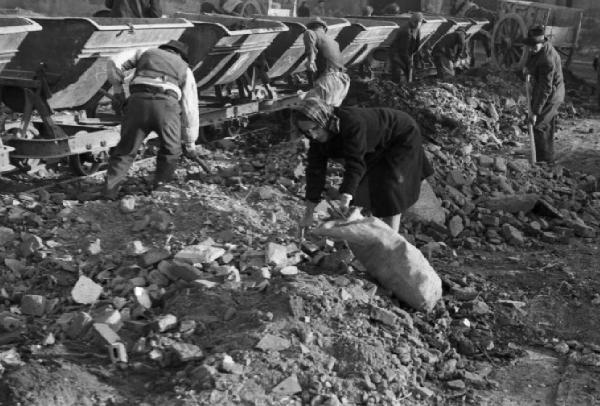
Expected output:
(562, 27)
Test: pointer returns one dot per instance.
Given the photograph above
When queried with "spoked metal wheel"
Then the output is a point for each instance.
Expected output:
(87, 164)
(508, 51)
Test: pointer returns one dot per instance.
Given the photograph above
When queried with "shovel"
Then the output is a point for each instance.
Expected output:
(529, 124)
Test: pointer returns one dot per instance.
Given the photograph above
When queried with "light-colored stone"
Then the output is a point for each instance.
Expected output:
(86, 291)
(127, 204)
(428, 209)
(143, 297)
(166, 322)
(271, 342)
(288, 387)
(199, 254)
(289, 270)
(187, 352)
(105, 333)
(276, 254)
(136, 248)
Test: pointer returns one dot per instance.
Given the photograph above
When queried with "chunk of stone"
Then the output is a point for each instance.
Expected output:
(187, 352)
(512, 203)
(7, 235)
(95, 247)
(143, 297)
(86, 291)
(288, 387)
(276, 254)
(105, 333)
(135, 248)
(271, 342)
(200, 254)
(455, 225)
(127, 204)
(512, 235)
(78, 324)
(165, 322)
(33, 305)
(154, 256)
(428, 208)
(384, 316)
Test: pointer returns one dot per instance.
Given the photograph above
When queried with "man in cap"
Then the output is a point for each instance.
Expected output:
(448, 51)
(163, 99)
(405, 47)
(134, 8)
(325, 64)
(548, 92)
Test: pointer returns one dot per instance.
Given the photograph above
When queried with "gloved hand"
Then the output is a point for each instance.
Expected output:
(189, 151)
(345, 200)
(118, 102)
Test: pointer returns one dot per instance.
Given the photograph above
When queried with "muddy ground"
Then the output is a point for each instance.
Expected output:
(539, 298)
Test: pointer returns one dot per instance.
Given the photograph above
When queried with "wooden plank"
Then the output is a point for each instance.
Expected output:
(561, 36)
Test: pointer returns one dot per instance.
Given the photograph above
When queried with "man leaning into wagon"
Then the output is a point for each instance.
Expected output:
(163, 99)
(548, 93)
(324, 62)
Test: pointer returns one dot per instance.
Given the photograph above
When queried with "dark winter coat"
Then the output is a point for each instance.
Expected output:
(134, 8)
(384, 161)
(548, 84)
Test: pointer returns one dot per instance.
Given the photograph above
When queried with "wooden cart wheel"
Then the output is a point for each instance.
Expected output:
(507, 50)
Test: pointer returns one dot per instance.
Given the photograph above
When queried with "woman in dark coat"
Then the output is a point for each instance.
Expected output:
(384, 161)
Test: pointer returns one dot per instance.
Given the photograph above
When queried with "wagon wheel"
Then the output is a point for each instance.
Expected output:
(86, 164)
(507, 50)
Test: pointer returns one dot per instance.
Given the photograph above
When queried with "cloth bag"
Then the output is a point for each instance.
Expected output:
(387, 256)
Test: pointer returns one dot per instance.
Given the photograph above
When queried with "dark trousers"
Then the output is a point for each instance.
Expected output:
(146, 112)
(444, 65)
(399, 66)
(543, 132)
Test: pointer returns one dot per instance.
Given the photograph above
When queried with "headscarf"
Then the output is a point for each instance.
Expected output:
(316, 110)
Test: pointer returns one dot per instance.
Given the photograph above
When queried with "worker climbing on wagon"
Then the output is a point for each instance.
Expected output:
(448, 51)
(134, 8)
(325, 64)
(163, 99)
(548, 92)
(384, 160)
(404, 49)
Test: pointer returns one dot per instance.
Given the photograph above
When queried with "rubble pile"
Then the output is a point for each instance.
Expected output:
(242, 316)
(490, 195)
(206, 288)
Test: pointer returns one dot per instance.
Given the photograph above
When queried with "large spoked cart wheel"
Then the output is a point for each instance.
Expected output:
(508, 50)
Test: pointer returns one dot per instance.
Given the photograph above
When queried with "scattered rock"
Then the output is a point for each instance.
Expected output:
(86, 291)
(288, 387)
(271, 342)
(33, 305)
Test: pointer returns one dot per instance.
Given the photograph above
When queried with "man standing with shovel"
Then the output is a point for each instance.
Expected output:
(548, 92)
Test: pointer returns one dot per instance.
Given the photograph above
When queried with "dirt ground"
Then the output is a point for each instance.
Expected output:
(542, 296)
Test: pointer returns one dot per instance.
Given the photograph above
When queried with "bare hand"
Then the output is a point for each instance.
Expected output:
(532, 119)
